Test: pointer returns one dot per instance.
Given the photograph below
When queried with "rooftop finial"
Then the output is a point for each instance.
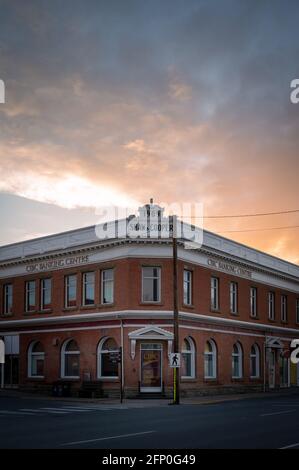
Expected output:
(151, 200)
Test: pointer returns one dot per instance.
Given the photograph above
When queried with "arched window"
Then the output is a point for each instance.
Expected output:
(188, 358)
(237, 361)
(36, 358)
(106, 367)
(70, 359)
(255, 361)
(210, 360)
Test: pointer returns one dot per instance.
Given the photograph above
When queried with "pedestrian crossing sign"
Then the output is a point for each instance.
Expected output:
(174, 360)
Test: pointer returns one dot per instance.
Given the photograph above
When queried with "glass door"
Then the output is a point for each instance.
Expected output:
(151, 367)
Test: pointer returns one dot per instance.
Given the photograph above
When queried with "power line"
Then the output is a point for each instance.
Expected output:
(240, 215)
(259, 229)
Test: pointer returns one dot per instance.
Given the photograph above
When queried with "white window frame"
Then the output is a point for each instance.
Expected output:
(187, 280)
(283, 306)
(271, 305)
(66, 288)
(30, 355)
(151, 277)
(64, 353)
(42, 290)
(213, 353)
(84, 283)
(7, 295)
(233, 297)
(239, 354)
(190, 352)
(215, 293)
(256, 356)
(103, 282)
(27, 295)
(101, 351)
(253, 302)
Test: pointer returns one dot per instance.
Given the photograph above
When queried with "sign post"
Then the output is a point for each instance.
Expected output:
(176, 342)
(115, 357)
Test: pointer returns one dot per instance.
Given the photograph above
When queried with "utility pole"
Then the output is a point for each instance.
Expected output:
(176, 342)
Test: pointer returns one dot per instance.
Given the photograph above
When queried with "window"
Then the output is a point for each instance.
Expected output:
(237, 359)
(214, 293)
(7, 299)
(36, 359)
(70, 359)
(151, 284)
(254, 361)
(30, 296)
(46, 293)
(71, 290)
(210, 360)
(88, 288)
(107, 286)
(271, 306)
(253, 301)
(188, 359)
(284, 308)
(187, 287)
(234, 297)
(106, 368)
(297, 310)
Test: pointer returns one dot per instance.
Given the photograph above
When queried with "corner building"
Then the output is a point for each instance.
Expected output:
(69, 300)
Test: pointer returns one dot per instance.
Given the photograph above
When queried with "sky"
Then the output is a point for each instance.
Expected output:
(114, 102)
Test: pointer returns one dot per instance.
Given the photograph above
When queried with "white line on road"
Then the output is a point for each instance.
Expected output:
(290, 446)
(278, 413)
(55, 410)
(107, 438)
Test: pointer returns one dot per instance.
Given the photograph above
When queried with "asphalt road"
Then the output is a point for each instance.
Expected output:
(271, 422)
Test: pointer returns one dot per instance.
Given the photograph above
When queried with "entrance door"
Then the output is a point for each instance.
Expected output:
(11, 371)
(271, 369)
(284, 372)
(151, 367)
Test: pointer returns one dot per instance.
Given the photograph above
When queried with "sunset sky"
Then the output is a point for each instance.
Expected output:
(114, 102)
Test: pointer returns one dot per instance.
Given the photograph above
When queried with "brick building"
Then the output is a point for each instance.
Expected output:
(69, 300)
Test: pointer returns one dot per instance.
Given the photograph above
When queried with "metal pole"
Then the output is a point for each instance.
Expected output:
(176, 343)
(121, 373)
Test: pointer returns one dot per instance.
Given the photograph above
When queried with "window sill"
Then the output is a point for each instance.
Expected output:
(88, 307)
(32, 312)
(210, 380)
(48, 310)
(254, 317)
(188, 306)
(69, 309)
(151, 303)
(36, 377)
(72, 378)
(101, 305)
(188, 379)
(215, 310)
(108, 379)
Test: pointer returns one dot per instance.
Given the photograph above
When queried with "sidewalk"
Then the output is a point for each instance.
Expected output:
(201, 400)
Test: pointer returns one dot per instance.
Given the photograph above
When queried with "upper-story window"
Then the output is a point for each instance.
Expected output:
(187, 287)
(271, 305)
(297, 310)
(8, 297)
(284, 308)
(107, 286)
(253, 301)
(30, 296)
(46, 293)
(88, 288)
(71, 290)
(234, 297)
(151, 284)
(214, 293)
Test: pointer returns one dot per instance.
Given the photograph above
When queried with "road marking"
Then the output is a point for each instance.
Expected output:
(15, 412)
(106, 438)
(290, 446)
(55, 410)
(278, 413)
